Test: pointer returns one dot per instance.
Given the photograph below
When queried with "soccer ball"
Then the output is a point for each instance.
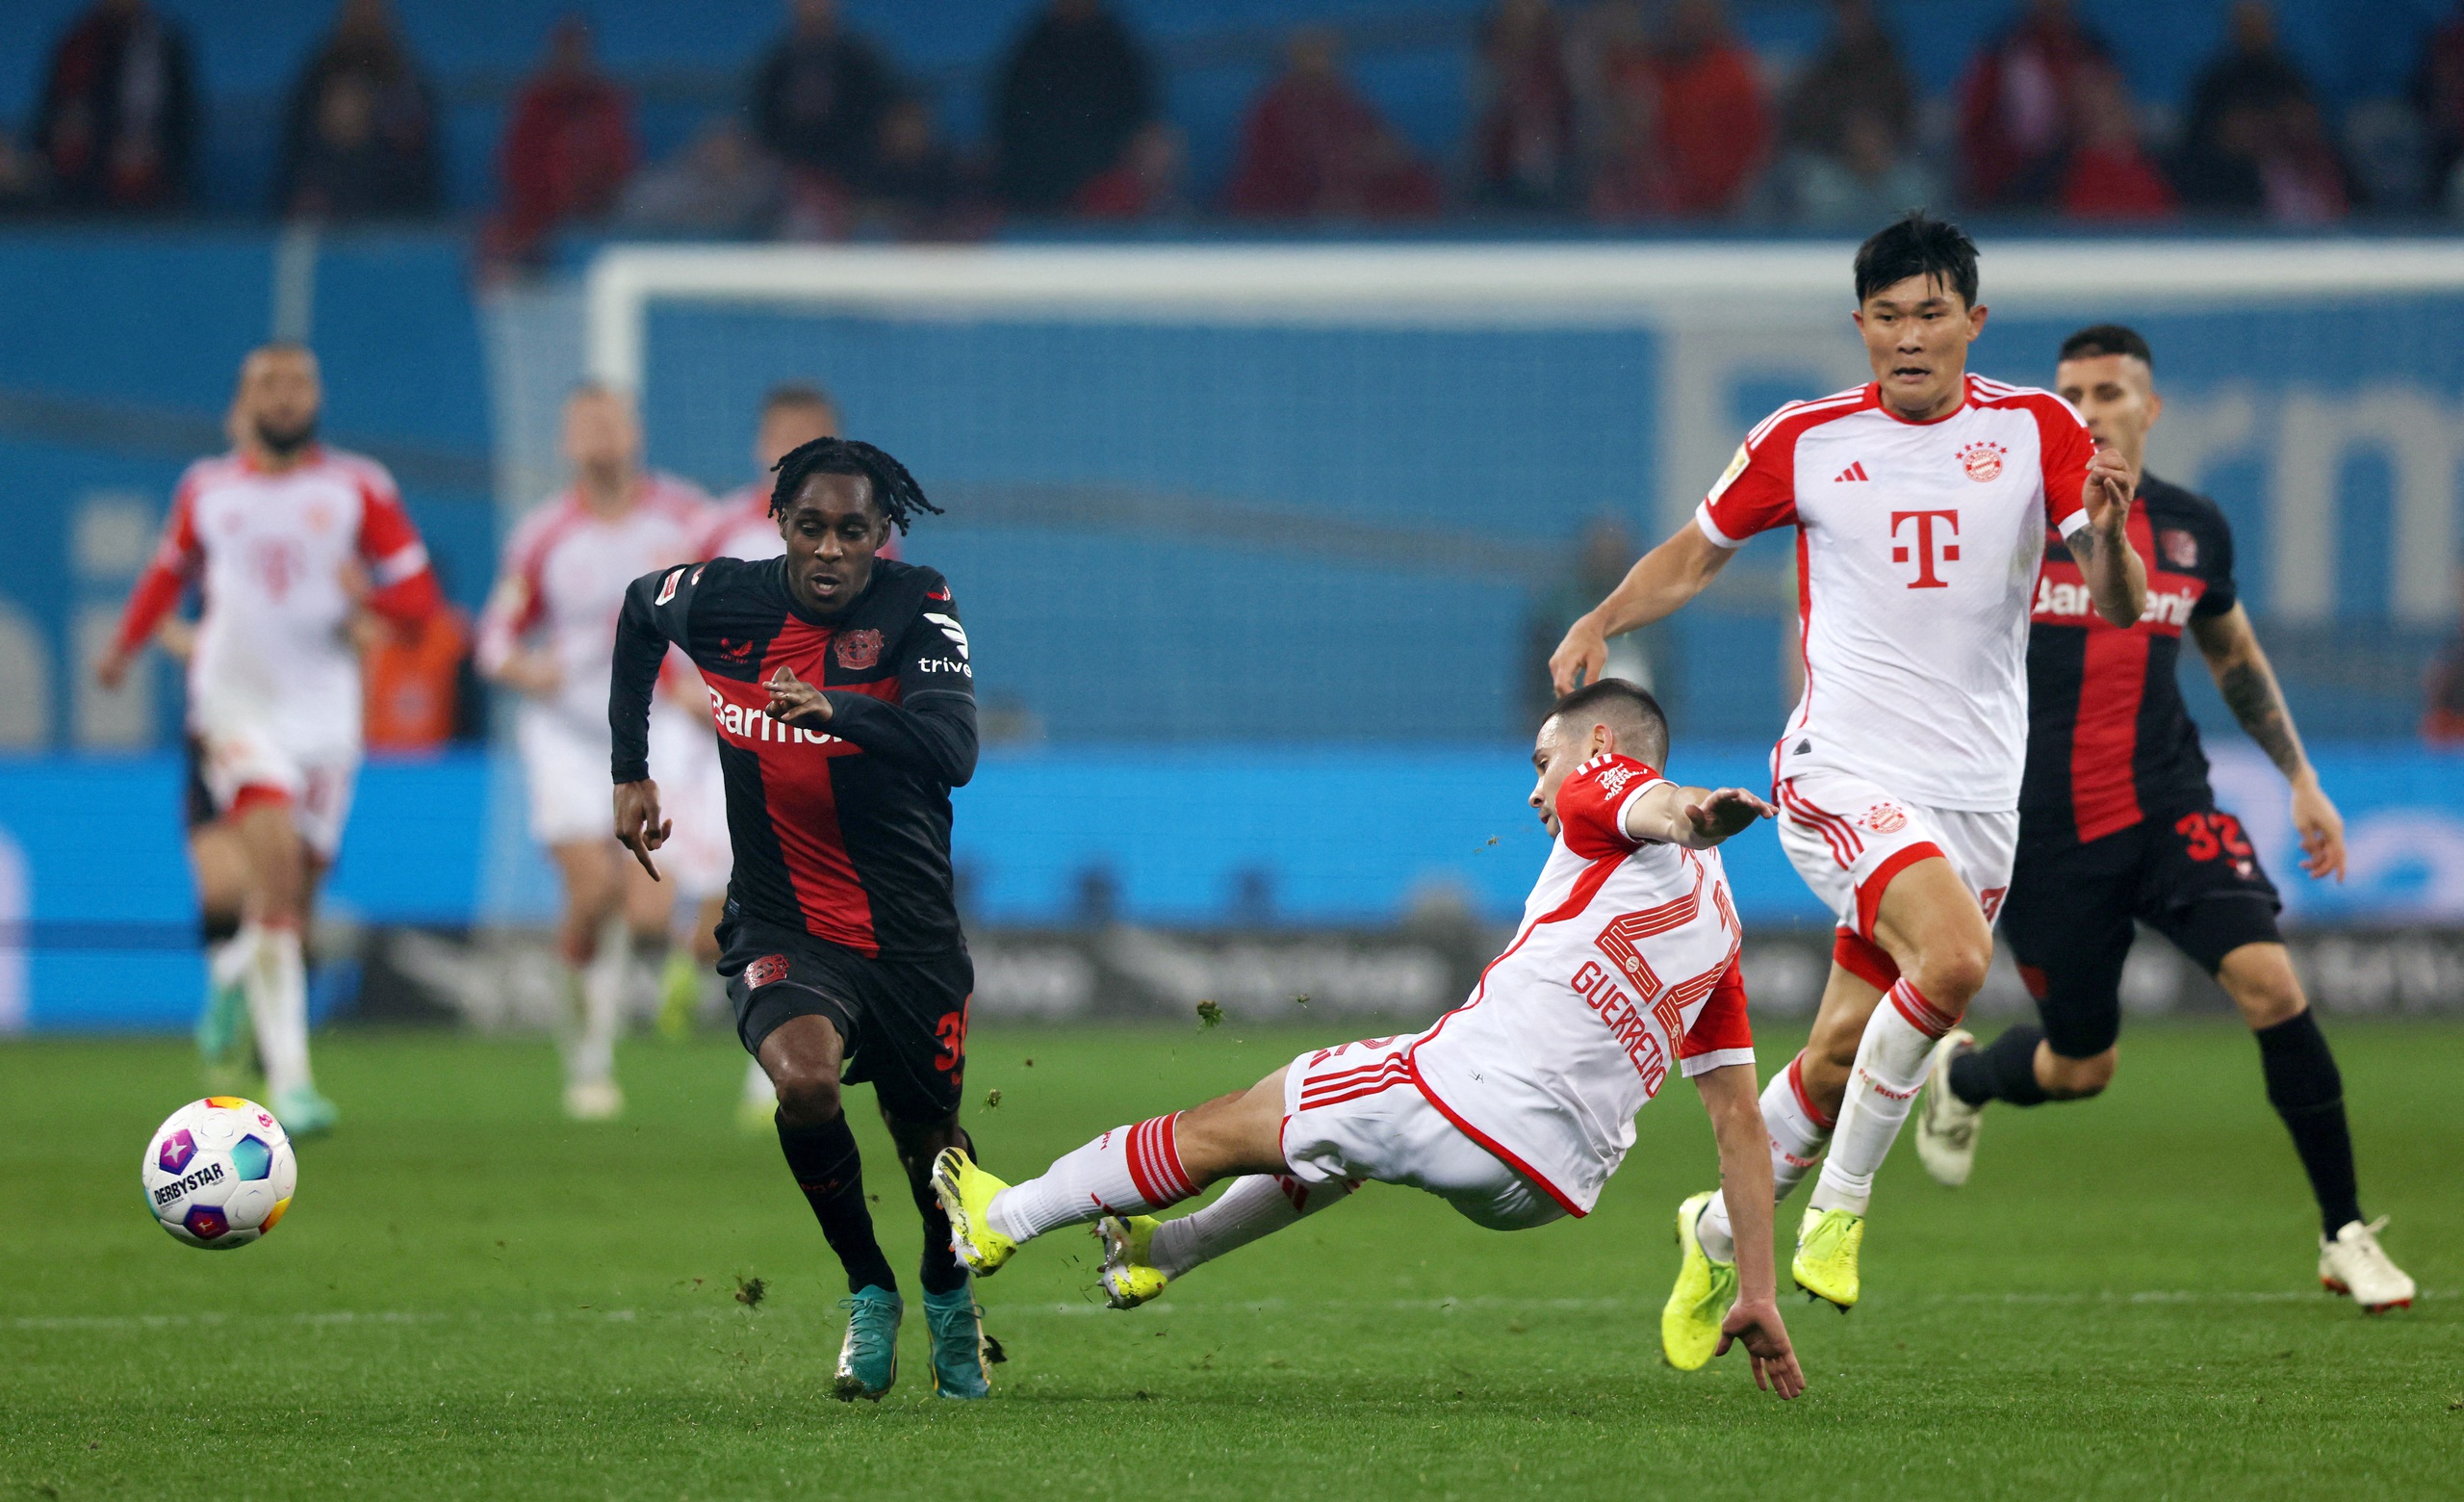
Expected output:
(220, 1172)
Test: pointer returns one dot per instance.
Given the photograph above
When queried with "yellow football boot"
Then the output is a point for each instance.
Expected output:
(1825, 1261)
(1130, 1280)
(1689, 1324)
(965, 1192)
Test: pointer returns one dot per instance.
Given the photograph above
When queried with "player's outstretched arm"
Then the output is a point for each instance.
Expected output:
(1660, 582)
(2117, 578)
(642, 634)
(2246, 680)
(1754, 1322)
(1695, 817)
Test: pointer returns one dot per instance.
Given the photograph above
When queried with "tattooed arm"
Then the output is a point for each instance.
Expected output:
(2242, 676)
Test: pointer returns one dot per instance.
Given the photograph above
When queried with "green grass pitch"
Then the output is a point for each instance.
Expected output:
(473, 1298)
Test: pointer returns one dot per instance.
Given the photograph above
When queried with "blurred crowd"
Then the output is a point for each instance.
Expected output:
(1615, 111)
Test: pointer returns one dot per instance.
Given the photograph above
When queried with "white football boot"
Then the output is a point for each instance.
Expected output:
(1946, 1125)
(2353, 1264)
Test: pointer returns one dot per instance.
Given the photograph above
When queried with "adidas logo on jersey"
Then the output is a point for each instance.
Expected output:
(1855, 471)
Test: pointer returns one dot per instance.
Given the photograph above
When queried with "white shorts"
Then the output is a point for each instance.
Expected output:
(693, 798)
(1848, 837)
(319, 789)
(571, 798)
(1353, 1113)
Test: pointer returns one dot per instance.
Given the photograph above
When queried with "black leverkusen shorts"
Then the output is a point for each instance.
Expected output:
(2193, 878)
(903, 1021)
(196, 801)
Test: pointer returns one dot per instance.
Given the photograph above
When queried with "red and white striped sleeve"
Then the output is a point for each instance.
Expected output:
(389, 544)
(1592, 805)
(1721, 1034)
(516, 604)
(175, 561)
(2064, 448)
(1759, 489)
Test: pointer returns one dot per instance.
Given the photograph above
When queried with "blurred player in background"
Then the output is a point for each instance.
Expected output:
(548, 633)
(1516, 1106)
(742, 526)
(1921, 502)
(288, 541)
(845, 714)
(2117, 824)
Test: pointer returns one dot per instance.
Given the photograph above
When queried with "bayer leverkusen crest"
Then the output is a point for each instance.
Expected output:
(859, 650)
(765, 971)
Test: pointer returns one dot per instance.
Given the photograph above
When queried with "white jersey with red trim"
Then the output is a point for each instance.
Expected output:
(1916, 556)
(1625, 966)
(564, 576)
(270, 552)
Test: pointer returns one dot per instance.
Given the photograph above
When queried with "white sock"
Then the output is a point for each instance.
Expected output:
(227, 960)
(1257, 1204)
(1798, 1137)
(277, 985)
(1890, 1066)
(1127, 1170)
(602, 983)
(757, 1089)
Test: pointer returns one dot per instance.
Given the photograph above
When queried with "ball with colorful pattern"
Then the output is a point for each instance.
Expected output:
(219, 1172)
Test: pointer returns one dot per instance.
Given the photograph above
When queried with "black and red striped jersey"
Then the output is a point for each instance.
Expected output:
(2110, 741)
(843, 834)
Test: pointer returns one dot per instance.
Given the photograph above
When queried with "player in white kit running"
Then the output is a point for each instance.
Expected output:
(288, 541)
(1514, 1108)
(1920, 503)
(741, 526)
(549, 631)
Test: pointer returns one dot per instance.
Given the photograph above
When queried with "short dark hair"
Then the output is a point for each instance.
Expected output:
(1622, 707)
(1917, 245)
(798, 393)
(895, 490)
(2098, 340)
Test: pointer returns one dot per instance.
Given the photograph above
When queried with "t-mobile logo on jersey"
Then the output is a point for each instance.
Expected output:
(1928, 551)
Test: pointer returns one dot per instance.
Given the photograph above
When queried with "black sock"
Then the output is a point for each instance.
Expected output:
(2003, 1069)
(214, 927)
(2307, 1091)
(831, 1175)
(940, 1271)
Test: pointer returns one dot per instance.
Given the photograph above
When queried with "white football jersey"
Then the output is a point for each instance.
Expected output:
(563, 578)
(1917, 546)
(1625, 967)
(269, 551)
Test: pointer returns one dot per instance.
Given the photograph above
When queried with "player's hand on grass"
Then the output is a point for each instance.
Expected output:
(795, 702)
(638, 826)
(1580, 657)
(1725, 812)
(2107, 494)
(2321, 830)
(1754, 1324)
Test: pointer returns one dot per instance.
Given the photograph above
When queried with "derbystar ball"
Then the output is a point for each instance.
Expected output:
(220, 1172)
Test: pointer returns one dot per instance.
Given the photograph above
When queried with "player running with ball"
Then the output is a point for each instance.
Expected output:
(845, 712)
(2117, 824)
(1516, 1106)
(1920, 503)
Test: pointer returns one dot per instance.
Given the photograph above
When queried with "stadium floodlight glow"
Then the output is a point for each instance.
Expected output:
(1729, 320)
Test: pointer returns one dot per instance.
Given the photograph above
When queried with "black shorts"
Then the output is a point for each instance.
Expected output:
(197, 800)
(903, 1021)
(2193, 878)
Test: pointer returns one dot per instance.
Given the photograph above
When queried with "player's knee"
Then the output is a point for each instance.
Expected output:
(1952, 971)
(2260, 980)
(807, 1093)
(2075, 1079)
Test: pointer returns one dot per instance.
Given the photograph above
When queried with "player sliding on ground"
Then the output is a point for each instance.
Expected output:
(1516, 1106)
(1920, 503)
(844, 707)
(2118, 823)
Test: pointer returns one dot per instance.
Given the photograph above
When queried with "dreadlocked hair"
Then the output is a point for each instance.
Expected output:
(895, 490)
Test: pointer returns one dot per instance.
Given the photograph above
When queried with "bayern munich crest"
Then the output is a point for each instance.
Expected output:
(1885, 819)
(859, 650)
(1983, 461)
(765, 971)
